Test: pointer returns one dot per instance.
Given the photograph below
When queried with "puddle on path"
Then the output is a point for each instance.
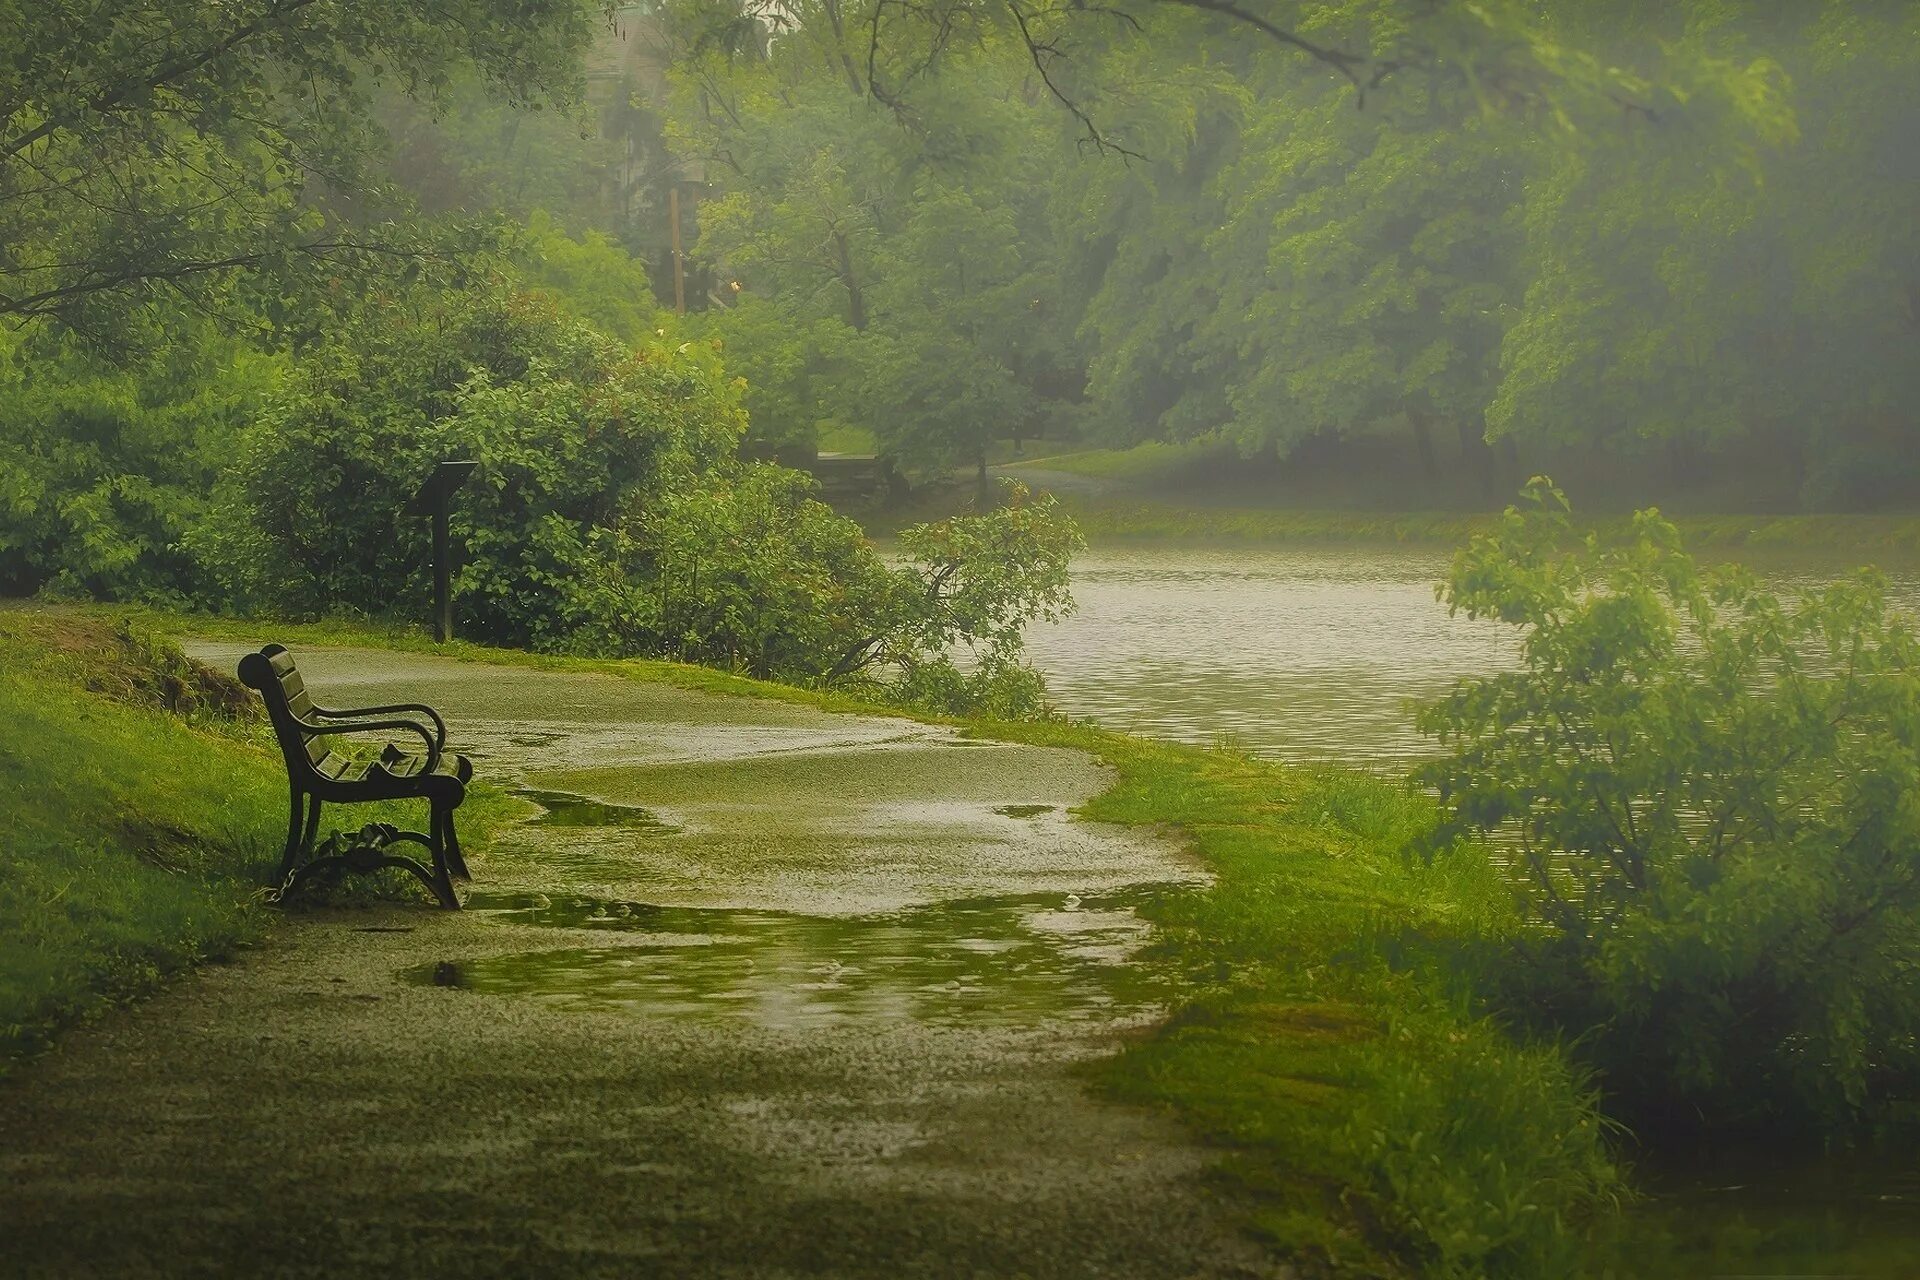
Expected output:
(564, 809)
(1016, 961)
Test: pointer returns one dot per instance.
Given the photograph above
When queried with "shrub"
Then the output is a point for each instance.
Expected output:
(105, 465)
(610, 514)
(1711, 800)
(568, 427)
(749, 571)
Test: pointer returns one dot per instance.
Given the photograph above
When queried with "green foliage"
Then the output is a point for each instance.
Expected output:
(591, 278)
(746, 572)
(161, 155)
(568, 428)
(608, 514)
(1711, 801)
(1669, 233)
(749, 572)
(104, 468)
(895, 279)
(1487, 1154)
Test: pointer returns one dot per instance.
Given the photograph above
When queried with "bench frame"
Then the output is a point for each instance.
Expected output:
(317, 774)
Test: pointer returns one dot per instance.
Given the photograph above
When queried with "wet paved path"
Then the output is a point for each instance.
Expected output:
(757, 991)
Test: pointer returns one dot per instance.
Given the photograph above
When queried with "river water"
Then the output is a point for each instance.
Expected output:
(1309, 653)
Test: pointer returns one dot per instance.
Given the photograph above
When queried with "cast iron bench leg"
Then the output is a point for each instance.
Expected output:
(456, 862)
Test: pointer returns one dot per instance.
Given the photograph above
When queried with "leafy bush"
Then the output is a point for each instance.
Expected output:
(104, 467)
(568, 426)
(610, 514)
(1711, 798)
(749, 571)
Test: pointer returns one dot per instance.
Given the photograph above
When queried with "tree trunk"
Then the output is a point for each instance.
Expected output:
(1513, 474)
(832, 9)
(985, 501)
(856, 300)
(1477, 455)
(1423, 443)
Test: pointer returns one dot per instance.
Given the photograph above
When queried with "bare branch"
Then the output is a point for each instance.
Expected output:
(1043, 53)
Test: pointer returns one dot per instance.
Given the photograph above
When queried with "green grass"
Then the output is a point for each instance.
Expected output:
(1378, 1121)
(847, 439)
(139, 822)
(132, 842)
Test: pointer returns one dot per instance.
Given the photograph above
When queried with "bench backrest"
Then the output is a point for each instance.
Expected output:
(272, 672)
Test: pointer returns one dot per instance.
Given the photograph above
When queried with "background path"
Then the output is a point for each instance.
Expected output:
(757, 991)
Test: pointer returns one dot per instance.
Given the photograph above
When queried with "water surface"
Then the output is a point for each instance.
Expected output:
(1308, 653)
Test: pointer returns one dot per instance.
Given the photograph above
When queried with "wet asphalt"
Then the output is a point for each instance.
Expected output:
(754, 990)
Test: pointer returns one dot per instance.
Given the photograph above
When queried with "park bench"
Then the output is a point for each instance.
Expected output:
(319, 772)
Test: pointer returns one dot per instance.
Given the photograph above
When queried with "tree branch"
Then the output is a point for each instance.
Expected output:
(168, 72)
(48, 300)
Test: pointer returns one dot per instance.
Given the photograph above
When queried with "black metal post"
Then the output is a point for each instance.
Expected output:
(442, 575)
(434, 500)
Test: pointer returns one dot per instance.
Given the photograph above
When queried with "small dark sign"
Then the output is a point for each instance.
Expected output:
(440, 485)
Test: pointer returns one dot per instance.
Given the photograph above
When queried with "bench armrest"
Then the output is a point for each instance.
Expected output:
(370, 726)
(361, 713)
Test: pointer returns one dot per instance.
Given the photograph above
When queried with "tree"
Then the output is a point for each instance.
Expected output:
(568, 425)
(105, 465)
(1709, 290)
(168, 154)
(903, 247)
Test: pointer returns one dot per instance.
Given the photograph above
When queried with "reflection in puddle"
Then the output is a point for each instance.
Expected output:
(1002, 961)
(564, 809)
(1762, 1210)
(1023, 810)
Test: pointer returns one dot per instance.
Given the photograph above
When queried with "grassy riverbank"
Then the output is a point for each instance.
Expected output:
(142, 808)
(1202, 492)
(1118, 519)
(136, 822)
(1378, 1122)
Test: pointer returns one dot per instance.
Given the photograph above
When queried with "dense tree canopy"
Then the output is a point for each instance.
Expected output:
(172, 155)
(1663, 233)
